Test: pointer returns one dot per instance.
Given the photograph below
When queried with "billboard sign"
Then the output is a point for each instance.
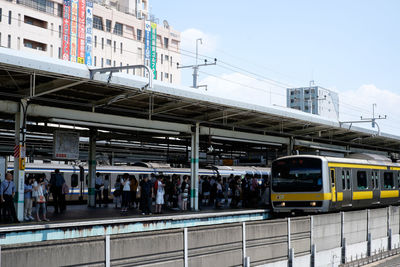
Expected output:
(77, 31)
(153, 50)
(89, 33)
(74, 31)
(147, 43)
(81, 31)
(66, 29)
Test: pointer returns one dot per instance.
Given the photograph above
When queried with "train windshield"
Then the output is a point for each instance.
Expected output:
(297, 175)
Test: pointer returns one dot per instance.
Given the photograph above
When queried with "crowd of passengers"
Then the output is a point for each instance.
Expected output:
(167, 192)
(173, 192)
(37, 190)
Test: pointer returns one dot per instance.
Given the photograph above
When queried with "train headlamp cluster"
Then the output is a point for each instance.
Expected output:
(313, 204)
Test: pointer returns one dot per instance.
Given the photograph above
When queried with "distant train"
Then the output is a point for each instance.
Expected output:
(78, 184)
(322, 184)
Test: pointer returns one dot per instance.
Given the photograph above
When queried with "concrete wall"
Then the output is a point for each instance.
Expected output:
(355, 227)
(266, 243)
(326, 231)
(215, 246)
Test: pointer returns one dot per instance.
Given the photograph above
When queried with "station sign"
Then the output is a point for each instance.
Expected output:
(65, 145)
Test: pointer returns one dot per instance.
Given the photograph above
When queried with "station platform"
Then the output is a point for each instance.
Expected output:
(80, 221)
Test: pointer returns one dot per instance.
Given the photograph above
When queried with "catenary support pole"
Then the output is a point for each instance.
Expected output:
(92, 168)
(19, 161)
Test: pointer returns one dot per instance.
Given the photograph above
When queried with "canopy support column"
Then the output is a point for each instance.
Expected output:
(92, 168)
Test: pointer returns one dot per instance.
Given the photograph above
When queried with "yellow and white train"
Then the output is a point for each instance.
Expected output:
(315, 184)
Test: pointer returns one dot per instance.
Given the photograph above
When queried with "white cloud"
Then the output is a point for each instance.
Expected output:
(357, 103)
(188, 42)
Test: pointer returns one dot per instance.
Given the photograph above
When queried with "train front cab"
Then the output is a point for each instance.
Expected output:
(301, 184)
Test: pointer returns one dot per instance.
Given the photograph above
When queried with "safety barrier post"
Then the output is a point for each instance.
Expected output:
(369, 239)
(389, 230)
(185, 247)
(342, 238)
(290, 250)
(108, 258)
(312, 245)
(245, 259)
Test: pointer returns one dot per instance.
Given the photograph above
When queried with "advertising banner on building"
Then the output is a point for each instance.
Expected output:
(147, 43)
(153, 49)
(66, 29)
(89, 32)
(74, 31)
(81, 31)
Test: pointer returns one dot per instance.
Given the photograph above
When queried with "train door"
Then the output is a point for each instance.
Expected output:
(333, 187)
(375, 186)
(346, 187)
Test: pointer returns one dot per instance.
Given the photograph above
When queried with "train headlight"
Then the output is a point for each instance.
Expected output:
(283, 204)
(313, 204)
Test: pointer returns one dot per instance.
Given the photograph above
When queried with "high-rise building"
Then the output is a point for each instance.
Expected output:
(315, 100)
(99, 33)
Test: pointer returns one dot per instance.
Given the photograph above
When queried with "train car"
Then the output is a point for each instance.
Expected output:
(78, 183)
(314, 184)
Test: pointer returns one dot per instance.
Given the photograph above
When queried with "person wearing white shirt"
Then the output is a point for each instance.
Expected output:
(98, 185)
(126, 192)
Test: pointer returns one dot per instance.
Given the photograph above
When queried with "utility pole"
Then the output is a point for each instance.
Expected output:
(371, 120)
(196, 66)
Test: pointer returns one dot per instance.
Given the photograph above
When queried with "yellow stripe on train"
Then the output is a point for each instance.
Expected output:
(389, 193)
(362, 195)
(359, 166)
(301, 197)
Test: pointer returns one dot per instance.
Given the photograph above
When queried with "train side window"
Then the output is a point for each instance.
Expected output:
(343, 181)
(377, 179)
(348, 179)
(398, 179)
(362, 180)
(388, 182)
(333, 177)
(373, 180)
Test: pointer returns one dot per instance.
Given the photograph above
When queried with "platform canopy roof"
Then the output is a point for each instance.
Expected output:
(64, 92)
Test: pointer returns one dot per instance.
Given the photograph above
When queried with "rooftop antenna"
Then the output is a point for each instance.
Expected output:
(196, 66)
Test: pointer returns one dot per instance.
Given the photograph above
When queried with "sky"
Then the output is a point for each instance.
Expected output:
(265, 46)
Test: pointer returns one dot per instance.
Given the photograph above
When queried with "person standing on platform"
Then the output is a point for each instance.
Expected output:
(28, 199)
(117, 193)
(7, 192)
(106, 186)
(39, 188)
(56, 183)
(146, 192)
(160, 191)
(126, 193)
(97, 186)
(134, 185)
(185, 192)
(206, 191)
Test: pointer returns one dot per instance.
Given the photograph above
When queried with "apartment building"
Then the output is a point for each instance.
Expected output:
(314, 99)
(117, 34)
